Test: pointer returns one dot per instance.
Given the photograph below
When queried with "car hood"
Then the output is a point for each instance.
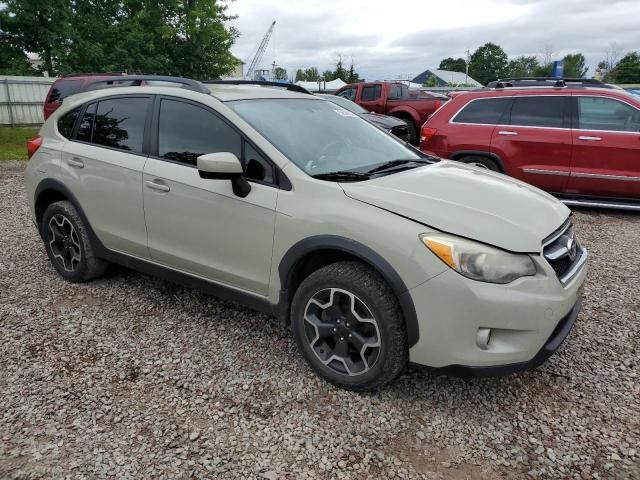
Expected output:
(467, 201)
(383, 121)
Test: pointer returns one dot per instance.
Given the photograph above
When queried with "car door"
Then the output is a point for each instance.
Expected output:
(606, 148)
(535, 142)
(102, 165)
(198, 225)
(371, 98)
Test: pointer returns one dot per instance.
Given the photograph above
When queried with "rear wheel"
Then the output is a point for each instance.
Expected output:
(413, 132)
(68, 244)
(348, 325)
(482, 162)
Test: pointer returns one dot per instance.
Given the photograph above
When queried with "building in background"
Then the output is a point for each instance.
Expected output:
(445, 78)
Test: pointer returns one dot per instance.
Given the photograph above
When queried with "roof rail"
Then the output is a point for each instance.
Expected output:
(289, 86)
(547, 82)
(137, 80)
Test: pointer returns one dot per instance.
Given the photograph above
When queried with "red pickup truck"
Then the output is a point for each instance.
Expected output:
(392, 98)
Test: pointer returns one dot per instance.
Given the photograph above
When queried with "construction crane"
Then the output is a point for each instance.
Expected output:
(262, 46)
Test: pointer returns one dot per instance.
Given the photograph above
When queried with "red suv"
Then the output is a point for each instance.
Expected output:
(578, 139)
(66, 86)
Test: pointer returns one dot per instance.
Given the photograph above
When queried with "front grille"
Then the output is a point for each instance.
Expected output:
(564, 253)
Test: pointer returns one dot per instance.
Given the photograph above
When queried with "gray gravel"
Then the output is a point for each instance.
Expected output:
(132, 377)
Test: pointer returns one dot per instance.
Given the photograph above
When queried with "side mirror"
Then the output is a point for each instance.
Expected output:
(224, 166)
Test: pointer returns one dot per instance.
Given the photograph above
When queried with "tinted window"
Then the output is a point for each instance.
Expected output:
(119, 123)
(256, 167)
(349, 93)
(484, 111)
(538, 111)
(187, 131)
(607, 114)
(371, 92)
(67, 121)
(84, 129)
(398, 90)
(62, 89)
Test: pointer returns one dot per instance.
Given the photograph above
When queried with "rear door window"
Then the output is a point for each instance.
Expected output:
(538, 111)
(62, 89)
(119, 123)
(486, 111)
(370, 92)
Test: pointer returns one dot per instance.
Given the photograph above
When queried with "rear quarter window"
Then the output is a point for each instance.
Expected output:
(487, 111)
(67, 122)
(62, 89)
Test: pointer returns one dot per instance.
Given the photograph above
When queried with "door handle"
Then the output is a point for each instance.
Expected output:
(589, 139)
(75, 162)
(160, 187)
(507, 133)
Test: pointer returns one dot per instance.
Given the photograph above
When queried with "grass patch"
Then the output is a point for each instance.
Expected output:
(13, 142)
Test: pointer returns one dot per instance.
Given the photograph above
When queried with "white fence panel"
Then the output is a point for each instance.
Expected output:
(22, 99)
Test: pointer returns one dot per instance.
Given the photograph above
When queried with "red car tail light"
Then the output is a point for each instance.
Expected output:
(426, 133)
(33, 145)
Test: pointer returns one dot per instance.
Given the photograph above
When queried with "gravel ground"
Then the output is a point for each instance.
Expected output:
(132, 377)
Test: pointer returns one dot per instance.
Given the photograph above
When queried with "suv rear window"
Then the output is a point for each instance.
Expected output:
(62, 89)
(538, 111)
(487, 111)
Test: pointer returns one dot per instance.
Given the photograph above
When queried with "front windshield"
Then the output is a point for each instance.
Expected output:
(321, 137)
(345, 103)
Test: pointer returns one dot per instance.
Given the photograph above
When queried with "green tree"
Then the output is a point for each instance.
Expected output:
(543, 70)
(328, 75)
(574, 66)
(431, 81)
(522, 66)
(352, 75)
(311, 74)
(627, 70)
(280, 73)
(453, 65)
(340, 71)
(13, 60)
(39, 26)
(489, 62)
(299, 75)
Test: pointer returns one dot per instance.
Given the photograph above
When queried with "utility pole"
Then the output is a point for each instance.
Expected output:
(466, 69)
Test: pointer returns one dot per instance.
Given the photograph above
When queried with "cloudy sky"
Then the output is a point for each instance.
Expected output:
(390, 39)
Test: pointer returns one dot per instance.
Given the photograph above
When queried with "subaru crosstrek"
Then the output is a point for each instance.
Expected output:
(373, 254)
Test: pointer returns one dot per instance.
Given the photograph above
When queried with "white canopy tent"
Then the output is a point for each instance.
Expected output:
(333, 85)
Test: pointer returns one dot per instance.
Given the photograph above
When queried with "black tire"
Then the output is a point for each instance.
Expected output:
(413, 132)
(372, 295)
(70, 250)
(482, 162)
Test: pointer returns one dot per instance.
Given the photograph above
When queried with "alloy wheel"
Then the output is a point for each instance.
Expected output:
(64, 243)
(341, 331)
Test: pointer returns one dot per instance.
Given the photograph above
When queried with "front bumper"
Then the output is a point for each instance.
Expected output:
(549, 348)
(528, 320)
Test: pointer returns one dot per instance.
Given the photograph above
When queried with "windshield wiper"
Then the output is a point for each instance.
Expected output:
(394, 164)
(342, 175)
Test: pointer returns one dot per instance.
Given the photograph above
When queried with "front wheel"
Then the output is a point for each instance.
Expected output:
(482, 162)
(412, 132)
(348, 325)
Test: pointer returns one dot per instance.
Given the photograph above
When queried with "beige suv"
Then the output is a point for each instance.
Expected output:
(374, 254)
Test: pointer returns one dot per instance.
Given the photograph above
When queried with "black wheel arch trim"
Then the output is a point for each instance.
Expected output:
(290, 260)
(480, 153)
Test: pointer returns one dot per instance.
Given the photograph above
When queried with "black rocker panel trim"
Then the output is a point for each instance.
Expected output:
(220, 291)
(304, 247)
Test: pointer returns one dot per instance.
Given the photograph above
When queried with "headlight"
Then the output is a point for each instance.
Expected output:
(478, 261)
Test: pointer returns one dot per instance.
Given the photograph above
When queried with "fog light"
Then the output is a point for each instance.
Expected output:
(483, 338)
